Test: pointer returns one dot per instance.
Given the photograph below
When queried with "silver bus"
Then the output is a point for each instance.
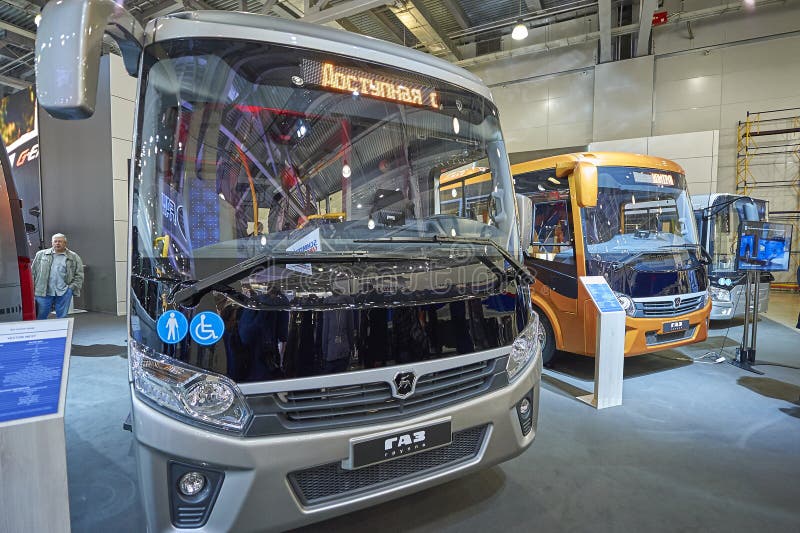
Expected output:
(310, 333)
(718, 219)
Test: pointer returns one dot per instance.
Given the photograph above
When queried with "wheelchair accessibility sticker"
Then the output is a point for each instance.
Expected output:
(172, 327)
(207, 328)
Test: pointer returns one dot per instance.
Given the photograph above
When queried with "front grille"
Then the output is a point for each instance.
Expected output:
(372, 402)
(667, 307)
(331, 482)
(653, 338)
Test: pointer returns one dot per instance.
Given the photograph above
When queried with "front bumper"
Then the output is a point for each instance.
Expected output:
(735, 308)
(256, 493)
(642, 335)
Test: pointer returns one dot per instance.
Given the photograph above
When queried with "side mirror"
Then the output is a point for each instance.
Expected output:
(67, 70)
(585, 176)
(30, 228)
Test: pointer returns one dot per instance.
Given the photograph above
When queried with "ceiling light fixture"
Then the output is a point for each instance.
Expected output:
(520, 31)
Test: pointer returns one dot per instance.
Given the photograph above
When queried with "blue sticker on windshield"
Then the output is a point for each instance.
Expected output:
(172, 327)
(207, 328)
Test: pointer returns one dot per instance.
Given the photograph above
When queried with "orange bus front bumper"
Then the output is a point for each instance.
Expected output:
(644, 335)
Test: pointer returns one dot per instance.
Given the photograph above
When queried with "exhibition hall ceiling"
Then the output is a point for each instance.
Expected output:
(440, 27)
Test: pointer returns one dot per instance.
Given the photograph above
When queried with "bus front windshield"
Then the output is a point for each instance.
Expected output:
(639, 211)
(254, 148)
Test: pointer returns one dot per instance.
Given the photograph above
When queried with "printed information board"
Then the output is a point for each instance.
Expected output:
(601, 294)
(34, 358)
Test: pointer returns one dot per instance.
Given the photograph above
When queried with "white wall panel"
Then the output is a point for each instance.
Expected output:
(688, 93)
(121, 200)
(634, 146)
(692, 65)
(623, 97)
(572, 134)
(686, 120)
(120, 153)
(723, 29)
(121, 118)
(120, 239)
(683, 146)
(122, 279)
(122, 85)
(541, 64)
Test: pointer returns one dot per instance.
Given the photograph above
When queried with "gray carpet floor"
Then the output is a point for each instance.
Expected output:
(696, 446)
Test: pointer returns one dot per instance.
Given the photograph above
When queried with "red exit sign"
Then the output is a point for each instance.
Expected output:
(660, 17)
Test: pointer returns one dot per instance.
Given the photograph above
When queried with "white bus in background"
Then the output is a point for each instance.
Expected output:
(275, 383)
(718, 218)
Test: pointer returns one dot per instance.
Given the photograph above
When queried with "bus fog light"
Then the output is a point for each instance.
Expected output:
(524, 408)
(192, 483)
(525, 346)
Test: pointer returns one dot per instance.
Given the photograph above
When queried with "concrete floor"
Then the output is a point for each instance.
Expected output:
(784, 307)
(696, 446)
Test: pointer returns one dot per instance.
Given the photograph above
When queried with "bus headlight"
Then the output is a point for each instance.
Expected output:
(626, 302)
(719, 295)
(526, 347)
(190, 392)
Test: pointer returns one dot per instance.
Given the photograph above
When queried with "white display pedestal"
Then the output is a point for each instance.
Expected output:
(610, 344)
(34, 364)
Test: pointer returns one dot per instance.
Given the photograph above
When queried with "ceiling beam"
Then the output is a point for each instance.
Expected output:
(267, 7)
(343, 10)
(458, 13)
(648, 7)
(14, 83)
(382, 19)
(534, 5)
(162, 8)
(16, 40)
(15, 29)
(419, 22)
(604, 15)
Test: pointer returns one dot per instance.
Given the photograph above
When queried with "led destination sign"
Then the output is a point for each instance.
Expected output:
(358, 81)
(654, 178)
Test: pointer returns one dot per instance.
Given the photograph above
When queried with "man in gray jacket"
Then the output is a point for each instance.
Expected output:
(57, 276)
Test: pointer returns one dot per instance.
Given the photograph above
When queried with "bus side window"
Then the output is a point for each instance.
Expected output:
(551, 233)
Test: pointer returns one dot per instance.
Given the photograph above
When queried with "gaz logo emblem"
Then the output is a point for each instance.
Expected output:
(404, 384)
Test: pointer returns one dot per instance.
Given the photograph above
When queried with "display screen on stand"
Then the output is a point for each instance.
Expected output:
(764, 246)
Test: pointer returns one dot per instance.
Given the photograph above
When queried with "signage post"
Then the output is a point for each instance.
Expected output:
(610, 344)
(34, 364)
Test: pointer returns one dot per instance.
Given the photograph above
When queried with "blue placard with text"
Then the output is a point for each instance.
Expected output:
(603, 296)
(31, 368)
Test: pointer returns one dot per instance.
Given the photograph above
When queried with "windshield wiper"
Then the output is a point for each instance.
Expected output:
(522, 272)
(240, 270)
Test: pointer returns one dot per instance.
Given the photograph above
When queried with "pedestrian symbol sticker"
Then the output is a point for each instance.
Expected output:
(207, 328)
(172, 327)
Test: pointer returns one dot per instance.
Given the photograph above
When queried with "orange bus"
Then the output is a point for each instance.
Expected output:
(622, 216)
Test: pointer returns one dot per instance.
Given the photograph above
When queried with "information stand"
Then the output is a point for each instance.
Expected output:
(762, 247)
(34, 364)
(610, 344)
